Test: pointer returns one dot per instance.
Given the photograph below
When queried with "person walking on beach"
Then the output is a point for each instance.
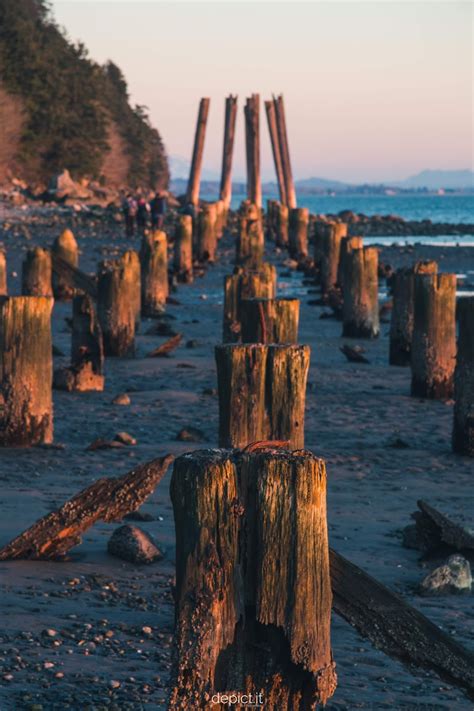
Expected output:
(129, 209)
(158, 210)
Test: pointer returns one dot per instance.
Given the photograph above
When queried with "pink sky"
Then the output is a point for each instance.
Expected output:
(373, 90)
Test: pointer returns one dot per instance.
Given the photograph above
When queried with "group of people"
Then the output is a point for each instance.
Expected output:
(140, 213)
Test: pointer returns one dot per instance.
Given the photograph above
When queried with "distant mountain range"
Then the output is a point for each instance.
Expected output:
(425, 180)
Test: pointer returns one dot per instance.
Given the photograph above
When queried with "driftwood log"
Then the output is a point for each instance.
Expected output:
(206, 238)
(253, 594)
(154, 273)
(194, 183)
(87, 351)
(298, 224)
(270, 320)
(244, 284)
(37, 273)
(401, 324)
(225, 193)
(463, 425)
(262, 391)
(65, 247)
(433, 350)
(183, 249)
(108, 499)
(360, 310)
(26, 371)
(433, 531)
(116, 306)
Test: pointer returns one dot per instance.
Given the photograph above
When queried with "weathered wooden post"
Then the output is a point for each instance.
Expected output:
(348, 243)
(463, 425)
(131, 259)
(273, 131)
(282, 226)
(26, 371)
(270, 320)
(252, 566)
(87, 351)
(206, 243)
(3, 274)
(271, 220)
(65, 247)
(116, 306)
(360, 311)
(262, 393)
(401, 323)
(245, 284)
(37, 273)
(330, 245)
(183, 249)
(250, 243)
(220, 218)
(298, 232)
(285, 151)
(154, 273)
(252, 133)
(228, 150)
(192, 194)
(433, 349)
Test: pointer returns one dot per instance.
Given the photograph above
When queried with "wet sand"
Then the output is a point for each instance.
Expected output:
(99, 605)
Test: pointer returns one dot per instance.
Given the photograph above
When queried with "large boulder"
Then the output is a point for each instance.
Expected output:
(62, 186)
(452, 577)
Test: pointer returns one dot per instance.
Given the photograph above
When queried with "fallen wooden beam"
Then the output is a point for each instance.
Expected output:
(166, 348)
(109, 499)
(74, 276)
(396, 628)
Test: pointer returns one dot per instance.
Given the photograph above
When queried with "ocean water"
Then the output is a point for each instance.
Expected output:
(437, 208)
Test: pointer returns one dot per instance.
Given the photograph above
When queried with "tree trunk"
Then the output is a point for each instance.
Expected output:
(261, 393)
(116, 306)
(277, 158)
(26, 404)
(348, 243)
(192, 194)
(360, 311)
(330, 246)
(65, 247)
(37, 273)
(108, 499)
(270, 320)
(252, 129)
(206, 234)
(227, 153)
(244, 284)
(433, 350)
(3, 274)
(87, 351)
(250, 243)
(401, 324)
(463, 428)
(282, 226)
(285, 151)
(183, 249)
(154, 273)
(253, 594)
(298, 232)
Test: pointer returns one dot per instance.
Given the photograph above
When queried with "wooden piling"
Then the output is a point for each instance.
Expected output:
(252, 566)
(26, 369)
(262, 393)
(65, 247)
(183, 249)
(330, 246)
(245, 284)
(220, 218)
(252, 134)
(116, 306)
(37, 273)
(282, 220)
(463, 424)
(250, 243)
(228, 150)
(3, 274)
(401, 323)
(277, 159)
(270, 320)
(348, 243)
(154, 273)
(360, 311)
(298, 232)
(194, 183)
(86, 372)
(433, 349)
(285, 151)
(206, 243)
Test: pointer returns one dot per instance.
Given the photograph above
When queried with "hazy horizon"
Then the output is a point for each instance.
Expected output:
(374, 91)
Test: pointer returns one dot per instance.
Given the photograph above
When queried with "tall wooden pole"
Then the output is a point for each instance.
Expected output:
(192, 195)
(463, 425)
(273, 131)
(229, 134)
(252, 128)
(285, 151)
